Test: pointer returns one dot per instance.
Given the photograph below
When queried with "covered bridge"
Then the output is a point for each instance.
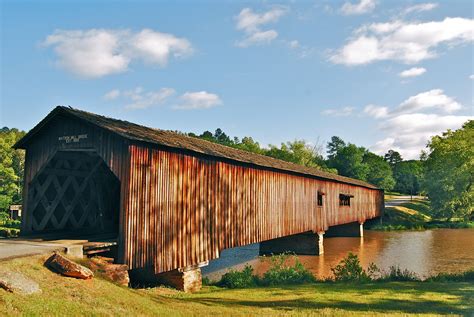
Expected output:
(174, 201)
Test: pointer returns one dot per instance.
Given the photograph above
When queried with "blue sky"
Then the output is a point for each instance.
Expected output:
(381, 74)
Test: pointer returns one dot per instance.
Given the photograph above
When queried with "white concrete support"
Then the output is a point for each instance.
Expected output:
(320, 242)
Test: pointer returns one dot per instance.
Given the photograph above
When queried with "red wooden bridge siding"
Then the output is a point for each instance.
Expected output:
(183, 200)
(184, 209)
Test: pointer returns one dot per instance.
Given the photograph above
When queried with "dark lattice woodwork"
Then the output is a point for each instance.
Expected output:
(74, 191)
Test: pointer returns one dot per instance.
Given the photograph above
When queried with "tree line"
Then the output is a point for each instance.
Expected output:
(444, 172)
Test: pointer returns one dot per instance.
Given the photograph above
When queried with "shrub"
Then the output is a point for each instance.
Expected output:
(9, 232)
(350, 270)
(281, 274)
(467, 276)
(238, 279)
(397, 274)
(206, 281)
(4, 216)
(7, 222)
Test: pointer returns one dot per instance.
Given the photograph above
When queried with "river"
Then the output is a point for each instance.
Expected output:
(423, 252)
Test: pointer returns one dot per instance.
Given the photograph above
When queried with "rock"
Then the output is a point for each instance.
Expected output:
(66, 267)
(117, 273)
(188, 279)
(18, 283)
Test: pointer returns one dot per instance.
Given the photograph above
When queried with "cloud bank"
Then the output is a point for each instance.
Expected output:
(406, 42)
(96, 53)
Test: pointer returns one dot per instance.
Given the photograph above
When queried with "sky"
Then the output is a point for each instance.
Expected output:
(380, 74)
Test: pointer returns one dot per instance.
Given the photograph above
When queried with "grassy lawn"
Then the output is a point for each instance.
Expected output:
(67, 296)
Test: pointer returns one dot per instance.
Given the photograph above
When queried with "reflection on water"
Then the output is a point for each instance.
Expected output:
(423, 252)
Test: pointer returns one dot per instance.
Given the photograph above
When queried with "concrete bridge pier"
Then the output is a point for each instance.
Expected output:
(352, 229)
(306, 243)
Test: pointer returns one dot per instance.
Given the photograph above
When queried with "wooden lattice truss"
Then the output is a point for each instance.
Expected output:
(74, 191)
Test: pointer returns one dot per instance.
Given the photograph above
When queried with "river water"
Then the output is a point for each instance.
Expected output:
(423, 252)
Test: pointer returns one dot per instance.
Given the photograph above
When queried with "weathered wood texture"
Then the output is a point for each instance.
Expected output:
(46, 144)
(179, 207)
(185, 209)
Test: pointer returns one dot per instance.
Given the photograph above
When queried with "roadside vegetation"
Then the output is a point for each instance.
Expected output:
(352, 294)
(8, 227)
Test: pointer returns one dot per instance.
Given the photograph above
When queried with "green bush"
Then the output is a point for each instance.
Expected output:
(278, 274)
(7, 222)
(4, 216)
(350, 270)
(395, 273)
(467, 276)
(9, 232)
(206, 281)
(282, 274)
(238, 279)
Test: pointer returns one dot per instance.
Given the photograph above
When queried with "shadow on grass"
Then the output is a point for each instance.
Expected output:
(460, 298)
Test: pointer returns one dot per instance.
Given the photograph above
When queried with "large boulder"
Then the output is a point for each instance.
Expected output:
(117, 273)
(66, 267)
(18, 283)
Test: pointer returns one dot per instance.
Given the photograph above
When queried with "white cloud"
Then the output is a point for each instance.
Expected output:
(258, 38)
(251, 23)
(409, 133)
(144, 100)
(198, 100)
(412, 72)
(408, 127)
(421, 7)
(434, 99)
(138, 98)
(294, 44)
(364, 6)
(407, 42)
(156, 47)
(471, 77)
(342, 112)
(376, 111)
(96, 53)
(111, 95)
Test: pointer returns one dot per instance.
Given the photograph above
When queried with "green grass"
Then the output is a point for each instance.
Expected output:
(67, 296)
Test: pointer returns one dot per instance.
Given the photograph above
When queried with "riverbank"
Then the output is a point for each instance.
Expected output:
(407, 213)
(61, 296)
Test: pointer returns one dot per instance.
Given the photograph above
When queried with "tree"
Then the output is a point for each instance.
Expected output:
(379, 171)
(11, 168)
(222, 138)
(248, 144)
(298, 152)
(348, 159)
(393, 157)
(207, 135)
(334, 146)
(449, 173)
(408, 177)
